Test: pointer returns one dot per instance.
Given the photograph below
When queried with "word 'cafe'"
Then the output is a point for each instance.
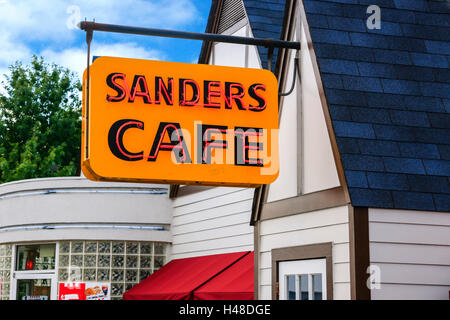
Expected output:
(150, 107)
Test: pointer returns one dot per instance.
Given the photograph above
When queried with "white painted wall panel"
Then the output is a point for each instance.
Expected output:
(215, 233)
(409, 253)
(319, 169)
(409, 233)
(253, 58)
(212, 213)
(207, 252)
(206, 194)
(212, 224)
(266, 292)
(336, 233)
(266, 277)
(307, 220)
(415, 274)
(214, 202)
(234, 243)
(231, 55)
(412, 250)
(341, 272)
(329, 225)
(341, 253)
(75, 201)
(286, 185)
(410, 292)
(410, 216)
(341, 291)
(265, 260)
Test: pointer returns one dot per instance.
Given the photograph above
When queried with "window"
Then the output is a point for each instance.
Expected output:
(35, 257)
(303, 279)
(303, 287)
(123, 263)
(33, 289)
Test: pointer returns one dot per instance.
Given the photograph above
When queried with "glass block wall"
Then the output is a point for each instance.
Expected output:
(5, 270)
(123, 263)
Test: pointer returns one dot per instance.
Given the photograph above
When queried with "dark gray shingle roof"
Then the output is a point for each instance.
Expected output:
(266, 21)
(388, 93)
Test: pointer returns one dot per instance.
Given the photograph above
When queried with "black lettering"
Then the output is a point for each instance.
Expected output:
(176, 144)
(111, 82)
(261, 101)
(234, 96)
(206, 142)
(143, 89)
(243, 146)
(208, 94)
(165, 91)
(115, 139)
(182, 92)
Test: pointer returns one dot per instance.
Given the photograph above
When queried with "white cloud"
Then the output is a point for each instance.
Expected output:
(42, 27)
(75, 58)
(47, 19)
(11, 51)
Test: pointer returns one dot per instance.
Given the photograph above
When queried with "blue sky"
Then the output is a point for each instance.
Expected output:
(47, 28)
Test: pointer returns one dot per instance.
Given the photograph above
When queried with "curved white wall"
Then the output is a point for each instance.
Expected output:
(77, 208)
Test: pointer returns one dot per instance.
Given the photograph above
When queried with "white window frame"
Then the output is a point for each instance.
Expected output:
(299, 268)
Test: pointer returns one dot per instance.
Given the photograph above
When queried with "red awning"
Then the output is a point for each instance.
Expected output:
(234, 283)
(178, 279)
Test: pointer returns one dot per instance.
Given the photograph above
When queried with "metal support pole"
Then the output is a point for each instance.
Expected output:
(274, 43)
(269, 58)
(89, 35)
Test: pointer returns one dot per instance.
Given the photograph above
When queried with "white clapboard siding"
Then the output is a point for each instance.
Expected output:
(340, 272)
(211, 224)
(410, 292)
(235, 243)
(212, 221)
(415, 274)
(338, 233)
(215, 233)
(214, 202)
(213, 213)
(200, 196)
(328, 225)
(341, 291)
(265, 277)
(409, 253)
(412, 251)
(265, 291)
(409, 216)
(409, 233)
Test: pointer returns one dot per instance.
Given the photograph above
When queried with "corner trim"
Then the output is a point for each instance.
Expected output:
(359, 252)
(312, 251)
(256, 247)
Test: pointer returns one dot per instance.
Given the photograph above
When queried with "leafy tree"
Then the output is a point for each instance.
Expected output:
(40, 122)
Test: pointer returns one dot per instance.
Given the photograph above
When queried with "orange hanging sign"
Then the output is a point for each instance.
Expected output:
(179, 123)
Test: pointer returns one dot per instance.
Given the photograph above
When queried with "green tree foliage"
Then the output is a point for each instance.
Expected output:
(40, 122)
